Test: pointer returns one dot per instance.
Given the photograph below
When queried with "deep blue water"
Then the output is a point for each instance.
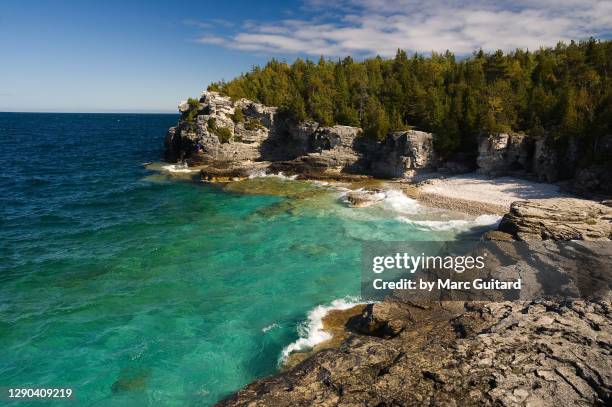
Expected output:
(136, 288)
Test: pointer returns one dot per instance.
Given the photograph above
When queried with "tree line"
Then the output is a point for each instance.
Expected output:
(563, 91)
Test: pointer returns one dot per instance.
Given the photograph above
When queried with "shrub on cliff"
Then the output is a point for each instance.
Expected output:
(238, 116)
(223, 133)
(253, 124)
(190, 115)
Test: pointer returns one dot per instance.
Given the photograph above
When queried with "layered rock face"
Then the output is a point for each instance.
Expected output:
(545, 159)
(455, 354)
(320, 150)
(558, 219)
(520, 353)
(216, 132)
(500, 153)
(403, 154)
(233, 138)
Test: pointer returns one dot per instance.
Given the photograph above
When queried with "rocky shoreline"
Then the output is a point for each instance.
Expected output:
(400, 352)
(232, 139)
(507, 353)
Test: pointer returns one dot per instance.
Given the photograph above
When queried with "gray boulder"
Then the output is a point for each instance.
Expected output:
(501, 153)
(558, 219)
(403, 153)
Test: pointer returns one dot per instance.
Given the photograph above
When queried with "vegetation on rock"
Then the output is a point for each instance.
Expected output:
(253, 124)
(565, 91)
(190, 115)
(238, 116)
(223, 133)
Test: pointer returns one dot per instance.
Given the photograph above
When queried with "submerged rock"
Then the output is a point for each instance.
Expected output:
(361, 199)
(131, 380)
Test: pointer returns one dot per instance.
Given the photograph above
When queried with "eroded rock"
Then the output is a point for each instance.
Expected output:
(222, 131)
(501, 153)
(558, 219)
(361, 199)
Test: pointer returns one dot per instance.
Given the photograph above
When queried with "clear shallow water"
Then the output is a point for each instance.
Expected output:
(134, 289)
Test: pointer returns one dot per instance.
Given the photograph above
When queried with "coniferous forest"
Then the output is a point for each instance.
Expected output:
(563, 92)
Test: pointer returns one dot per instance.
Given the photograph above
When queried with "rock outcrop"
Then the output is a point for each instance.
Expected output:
(229, 137)
(451, 354)
(215, 132)
(501, 153)
(547, 160)
(404, 153)
(361, 199)
(558, 219)
(457, 353)
(593, 180)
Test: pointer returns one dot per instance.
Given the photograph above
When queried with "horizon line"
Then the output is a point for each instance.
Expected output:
(91, 112)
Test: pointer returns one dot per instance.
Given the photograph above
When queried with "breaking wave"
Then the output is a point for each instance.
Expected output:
(455, 224)
(311, 331)
(263, 174)
(181, 168)
(399, 202)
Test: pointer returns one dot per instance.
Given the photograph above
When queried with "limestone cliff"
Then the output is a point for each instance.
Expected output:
(547, 160)
(234, 138)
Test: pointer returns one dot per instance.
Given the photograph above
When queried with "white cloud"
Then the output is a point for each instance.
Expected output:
(367, 27)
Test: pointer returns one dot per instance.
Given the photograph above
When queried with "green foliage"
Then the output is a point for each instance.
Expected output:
(564, 91)
(194, 104)
(190, 115)
(238, 115)
(376, 122)
(223, 133)
(253, 124)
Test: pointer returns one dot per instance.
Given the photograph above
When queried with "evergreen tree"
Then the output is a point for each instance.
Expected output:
(565, 91)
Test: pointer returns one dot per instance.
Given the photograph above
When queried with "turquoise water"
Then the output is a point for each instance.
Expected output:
(135, 288)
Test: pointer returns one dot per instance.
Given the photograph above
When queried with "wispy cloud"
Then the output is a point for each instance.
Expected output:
(367, 27)
(209, 23)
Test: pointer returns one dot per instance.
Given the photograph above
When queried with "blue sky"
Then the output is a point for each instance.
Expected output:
(145, 56)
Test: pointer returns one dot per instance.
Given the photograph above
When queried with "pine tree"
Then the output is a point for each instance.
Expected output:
(565, 91)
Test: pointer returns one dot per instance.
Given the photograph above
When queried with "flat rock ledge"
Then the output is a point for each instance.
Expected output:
(507, 353)
(558, 219)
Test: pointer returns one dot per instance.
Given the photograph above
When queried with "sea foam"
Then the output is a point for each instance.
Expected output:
(180, 168)
(311, 331)
(455, 224)
(263, 174)
(398, 201)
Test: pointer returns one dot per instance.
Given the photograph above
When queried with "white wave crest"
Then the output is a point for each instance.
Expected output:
(263, 174)
(455, 224)
(399, 202)
(311, 331)
(182, 168)
(269, 327)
